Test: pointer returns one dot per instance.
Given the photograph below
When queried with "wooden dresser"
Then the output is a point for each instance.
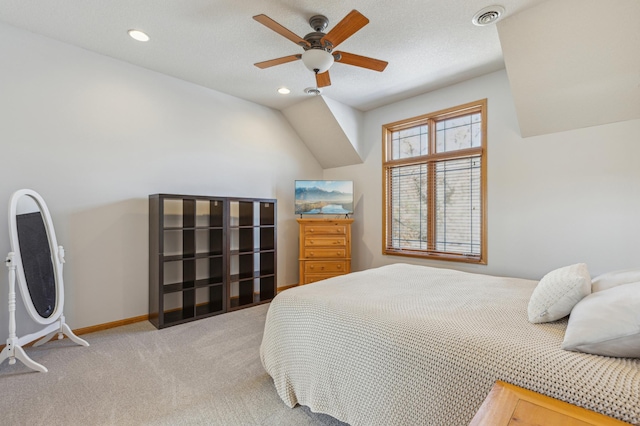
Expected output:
(325, 248)
(509, 405)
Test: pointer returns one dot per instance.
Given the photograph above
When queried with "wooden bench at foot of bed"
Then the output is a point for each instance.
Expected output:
(509, 405)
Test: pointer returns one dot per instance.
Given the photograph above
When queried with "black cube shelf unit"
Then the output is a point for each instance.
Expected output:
(209, 255)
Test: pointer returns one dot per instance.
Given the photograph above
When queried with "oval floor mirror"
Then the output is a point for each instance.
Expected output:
(35, 262)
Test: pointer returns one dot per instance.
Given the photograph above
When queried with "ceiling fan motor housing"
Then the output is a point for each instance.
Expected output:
(319, 23)
(315, 42)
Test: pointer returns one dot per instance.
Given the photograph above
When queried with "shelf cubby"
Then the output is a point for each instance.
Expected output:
(209, 255)
(252, 223)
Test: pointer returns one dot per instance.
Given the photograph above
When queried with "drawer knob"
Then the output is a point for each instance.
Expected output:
(339, 266)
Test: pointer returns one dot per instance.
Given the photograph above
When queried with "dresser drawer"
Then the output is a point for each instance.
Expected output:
(325, 229)
(325, 241)
(318, 267)
(325, 252)
(324, 249)
(312, 278)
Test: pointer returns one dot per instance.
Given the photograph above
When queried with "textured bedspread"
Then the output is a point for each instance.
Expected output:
(412, 345)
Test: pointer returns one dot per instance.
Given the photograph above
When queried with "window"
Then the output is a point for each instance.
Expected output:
(434, 169)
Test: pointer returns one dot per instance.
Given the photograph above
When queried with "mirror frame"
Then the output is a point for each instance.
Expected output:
(57, 256)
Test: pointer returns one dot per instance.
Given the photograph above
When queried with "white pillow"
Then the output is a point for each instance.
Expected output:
(615, 278)
(558, 292)
(606, 323)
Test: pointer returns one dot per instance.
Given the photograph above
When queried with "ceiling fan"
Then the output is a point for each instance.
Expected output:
(318, 55)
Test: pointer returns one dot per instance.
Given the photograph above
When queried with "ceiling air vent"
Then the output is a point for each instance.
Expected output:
(312, 91)
(488, 16)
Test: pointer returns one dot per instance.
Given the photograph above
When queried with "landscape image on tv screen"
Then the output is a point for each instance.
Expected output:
(324, 197)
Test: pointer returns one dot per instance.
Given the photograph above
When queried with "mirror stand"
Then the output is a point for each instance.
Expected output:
(35, 266)
(13, 349)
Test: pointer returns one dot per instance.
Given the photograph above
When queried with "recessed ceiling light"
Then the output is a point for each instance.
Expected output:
(284, 91)
(487, 16)
(138, 35)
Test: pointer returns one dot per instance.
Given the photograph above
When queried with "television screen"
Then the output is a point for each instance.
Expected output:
(324, 197)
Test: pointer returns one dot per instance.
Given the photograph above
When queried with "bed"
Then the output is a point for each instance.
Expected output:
(414, 345)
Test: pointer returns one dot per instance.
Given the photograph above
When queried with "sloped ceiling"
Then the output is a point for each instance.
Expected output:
(573, 64)
(330, 130)
(216, 43)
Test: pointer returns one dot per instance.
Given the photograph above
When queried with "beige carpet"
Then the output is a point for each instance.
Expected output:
(207, 372)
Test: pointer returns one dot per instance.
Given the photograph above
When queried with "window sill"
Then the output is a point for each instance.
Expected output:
(449, 257)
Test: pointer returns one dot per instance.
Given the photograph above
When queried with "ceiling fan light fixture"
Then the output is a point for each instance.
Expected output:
(317, 60)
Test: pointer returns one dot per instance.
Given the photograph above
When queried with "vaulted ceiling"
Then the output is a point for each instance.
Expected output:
(214, 43)
(554, 50)
(573, 64)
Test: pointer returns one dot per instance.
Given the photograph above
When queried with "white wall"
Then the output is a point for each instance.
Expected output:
(553, 200)
(95, 136)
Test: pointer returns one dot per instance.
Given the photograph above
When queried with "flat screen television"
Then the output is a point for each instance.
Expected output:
(324, 197)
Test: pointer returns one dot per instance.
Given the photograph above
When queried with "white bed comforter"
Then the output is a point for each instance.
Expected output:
(413, 345)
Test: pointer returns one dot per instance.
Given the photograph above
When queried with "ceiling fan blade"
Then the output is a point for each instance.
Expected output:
(361, 61)
(345, 28)
(277, 61)
(273, 25)
(323, 79)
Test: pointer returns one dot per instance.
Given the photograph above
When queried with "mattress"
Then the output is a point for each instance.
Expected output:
(414, 345)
